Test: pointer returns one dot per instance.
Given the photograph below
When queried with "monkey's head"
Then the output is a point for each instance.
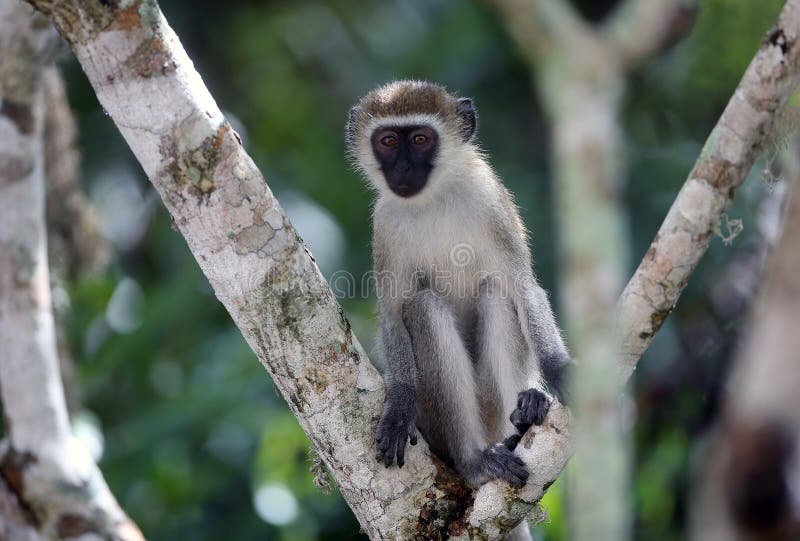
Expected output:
(404, 135)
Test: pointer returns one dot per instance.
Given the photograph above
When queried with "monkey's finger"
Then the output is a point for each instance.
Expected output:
(512, 478)
(401, 452)
(384, 443)
(528, 396)
(521, 479)
(520, 421)
(540, 411)
(516, 472)
(541, 405)
(518, 468)
(527, 401)
(512, 441)
(388, 457)
(412, 434)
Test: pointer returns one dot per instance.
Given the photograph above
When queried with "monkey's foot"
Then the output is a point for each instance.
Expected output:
(532, 408)
(390, 440)
(498, 462)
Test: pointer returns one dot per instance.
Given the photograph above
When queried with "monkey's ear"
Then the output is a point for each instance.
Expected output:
(469, 117)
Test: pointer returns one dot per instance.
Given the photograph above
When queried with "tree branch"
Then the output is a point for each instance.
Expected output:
(639, 29)
(542, 27)
(270, 285)
(50, 484)
(727, 157)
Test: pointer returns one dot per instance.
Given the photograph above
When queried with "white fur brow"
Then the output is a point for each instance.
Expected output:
(410, 120)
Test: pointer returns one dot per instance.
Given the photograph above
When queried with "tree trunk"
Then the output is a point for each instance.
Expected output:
(50, 487)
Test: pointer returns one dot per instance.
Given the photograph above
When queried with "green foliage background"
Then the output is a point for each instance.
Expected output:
(192, 424)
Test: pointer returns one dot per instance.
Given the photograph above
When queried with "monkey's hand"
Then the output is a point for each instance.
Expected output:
(532, 408)
(394, 429)
(498, 462)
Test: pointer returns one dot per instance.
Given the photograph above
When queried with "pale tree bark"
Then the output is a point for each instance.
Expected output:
(75, 245)
(728, 155)
(749, 489)
(74, 241)
(269, 283)
(50, 488)
(580, 72)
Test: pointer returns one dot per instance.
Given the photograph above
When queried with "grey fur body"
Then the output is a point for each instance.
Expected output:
(465, 330)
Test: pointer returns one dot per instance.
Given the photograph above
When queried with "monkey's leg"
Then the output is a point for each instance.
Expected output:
(501, 369)
(448, 411)
(548, 349)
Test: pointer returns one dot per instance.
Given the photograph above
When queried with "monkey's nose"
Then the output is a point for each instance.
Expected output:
(402, 167)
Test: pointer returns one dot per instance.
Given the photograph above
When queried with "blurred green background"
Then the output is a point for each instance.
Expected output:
(190, 432)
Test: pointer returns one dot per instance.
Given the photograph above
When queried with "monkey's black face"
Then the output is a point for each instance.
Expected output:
(406, 155)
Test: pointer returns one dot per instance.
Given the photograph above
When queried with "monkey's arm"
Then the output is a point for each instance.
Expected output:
(400, 375)
(546, 340)
(554, 360)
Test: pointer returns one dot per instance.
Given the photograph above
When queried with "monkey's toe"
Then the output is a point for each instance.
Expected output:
(512, 441)
(500, 463)
(532, 408)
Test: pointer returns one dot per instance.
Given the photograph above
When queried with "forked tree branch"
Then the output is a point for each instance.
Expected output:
(638, 29)
(542, 27)
(270, 285)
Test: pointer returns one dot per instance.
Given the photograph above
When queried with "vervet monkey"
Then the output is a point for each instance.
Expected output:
(466, 332)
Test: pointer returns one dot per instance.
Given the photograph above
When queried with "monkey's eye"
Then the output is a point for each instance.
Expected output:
(419, 139)
(389, 141)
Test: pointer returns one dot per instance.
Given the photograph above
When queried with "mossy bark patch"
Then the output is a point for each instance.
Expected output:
(153, 58)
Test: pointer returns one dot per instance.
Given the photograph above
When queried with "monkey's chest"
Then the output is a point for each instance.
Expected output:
(451, 253)
(457, 270)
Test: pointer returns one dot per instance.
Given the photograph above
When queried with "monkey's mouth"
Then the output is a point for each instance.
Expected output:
(404, 190)
(406, 186)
